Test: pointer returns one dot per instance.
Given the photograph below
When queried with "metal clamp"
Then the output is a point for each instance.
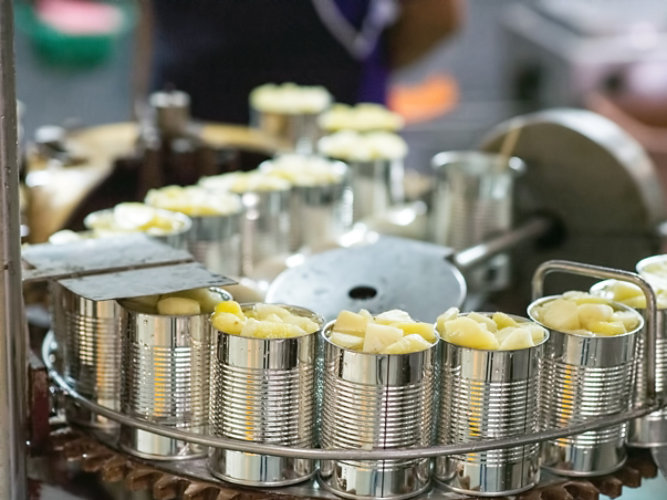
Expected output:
(600, 272)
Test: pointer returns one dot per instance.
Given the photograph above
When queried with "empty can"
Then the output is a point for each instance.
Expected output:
(87, 333)
(376, 401)
(651, 430)
(215, 241)
(586, 377)
(489, 394)
(165, 380)
(263, 391)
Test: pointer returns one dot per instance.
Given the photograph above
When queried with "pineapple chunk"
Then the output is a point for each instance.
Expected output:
(407, 344)
(178, 306)
(393, 316)
(560, 314)
(607, 328)
(207, 299)
(623, 290)
(520, 338)
(536, 332)
(480, 318)
(424, 329)
(349, 322)
(262, 311)
(449, 314)
(502, 320)
(229, 306)
(270, 330)
(628, 318)
(592, 313)
(466, 332)
(228, 322)
(346, 340)
(379, 337)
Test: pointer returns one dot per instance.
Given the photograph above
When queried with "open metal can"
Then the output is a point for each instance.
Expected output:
(165, 380)
(215, 241)
(263, 391)
(489, 394)
(376, 401)
(87, 333)
(586, 377)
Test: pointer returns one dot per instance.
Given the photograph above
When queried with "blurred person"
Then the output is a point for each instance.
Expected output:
(219, 50)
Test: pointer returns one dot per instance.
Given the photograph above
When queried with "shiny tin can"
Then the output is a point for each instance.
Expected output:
(215, 241)
(297, 132)
(489, 394)
(263, 391)
(377, 185)
(376, 401)
(585, 378)
(88, 336)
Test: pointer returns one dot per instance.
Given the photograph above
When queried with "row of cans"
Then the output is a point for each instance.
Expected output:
(177, 371)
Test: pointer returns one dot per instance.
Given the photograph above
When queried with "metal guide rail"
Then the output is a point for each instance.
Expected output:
(652, 401)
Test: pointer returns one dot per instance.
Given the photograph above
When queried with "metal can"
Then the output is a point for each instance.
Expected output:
(263, 391)
(87, 333)
(472, 200)
(585, 378)
(298, 132)
(376, 401)
(377, 185)
(165, 380)
(489, 394)
(651, 430)
(215, 241)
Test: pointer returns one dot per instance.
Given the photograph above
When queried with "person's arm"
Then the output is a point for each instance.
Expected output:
(421, 25)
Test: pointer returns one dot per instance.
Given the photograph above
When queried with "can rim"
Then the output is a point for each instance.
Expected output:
(616, 305)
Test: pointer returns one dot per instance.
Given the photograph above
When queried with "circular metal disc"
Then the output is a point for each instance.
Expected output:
(392, 273)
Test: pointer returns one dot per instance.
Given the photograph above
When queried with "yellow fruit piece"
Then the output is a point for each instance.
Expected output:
(607, 328)
(261, 311)
(349, 322)
(560, 314)
(306, 324)
(229, 306)
(622, 290)
(425, 330)
(407, 344)
(270, 330)
(378, 337)
(346, 340)
(593, 313)
(228, 322)
(503, 320)
(466, 332)
(178, 306)
(519, 338)
(207, 298)
(393, 316)
(481, 318)
(449, 314)
(536, 332)
(628, 318)
(583, 297)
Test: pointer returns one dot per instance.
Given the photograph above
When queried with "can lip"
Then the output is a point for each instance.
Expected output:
(307, 313)
(616, 305)
(326, 330)
(523, 319)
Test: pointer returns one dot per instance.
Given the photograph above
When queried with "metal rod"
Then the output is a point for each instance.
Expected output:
(336, 454)
(13, 340)
(600, 272)
(475, 255)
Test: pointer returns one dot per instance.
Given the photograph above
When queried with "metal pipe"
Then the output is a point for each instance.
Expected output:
(477, 254)
(13, 340)
(339, 453)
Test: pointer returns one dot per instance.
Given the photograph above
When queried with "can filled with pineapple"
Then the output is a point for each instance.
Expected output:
(378, 392)
(588, 373)
(166, 351)
(263, 390)
(490, 388)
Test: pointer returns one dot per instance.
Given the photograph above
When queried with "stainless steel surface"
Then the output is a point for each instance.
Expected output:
(140, 282)
(473, 199)
(81, 258)
(88, 336)
(660, 457)
(489, 394)
(176, 238)
(378, 277)
(333, 454)
(13, 339)
(265, 228)
(165, 380)
(588, 377)
(297, 132)
(377, 185)
(263, 391)
(650, 430)
(376, 401)
(474, 255)
(215, 241)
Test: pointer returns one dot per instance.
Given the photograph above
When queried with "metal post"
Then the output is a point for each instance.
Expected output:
(13, 341)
